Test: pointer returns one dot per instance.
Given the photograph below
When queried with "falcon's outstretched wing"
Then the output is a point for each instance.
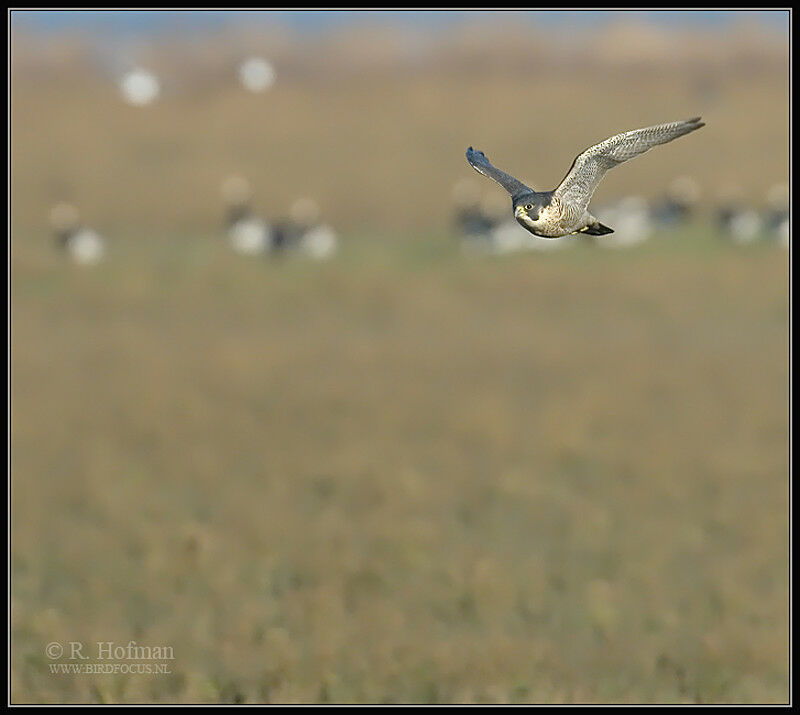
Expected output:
(481, 164)
(590, 167)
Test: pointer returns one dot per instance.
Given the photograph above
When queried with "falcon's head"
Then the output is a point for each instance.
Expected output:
(527, 208)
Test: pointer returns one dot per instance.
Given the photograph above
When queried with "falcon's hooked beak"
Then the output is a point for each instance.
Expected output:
(520, 211)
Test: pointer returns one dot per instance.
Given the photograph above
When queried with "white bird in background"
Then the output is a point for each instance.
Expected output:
(735, 220)
(308, 234)
(139, 87)
(83, 245)
(256, 74)
(247, 234)
(632, 222)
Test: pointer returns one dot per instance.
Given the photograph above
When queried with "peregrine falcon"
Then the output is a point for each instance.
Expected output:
(552, 214)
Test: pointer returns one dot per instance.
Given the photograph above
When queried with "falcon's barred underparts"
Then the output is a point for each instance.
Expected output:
(552, 214)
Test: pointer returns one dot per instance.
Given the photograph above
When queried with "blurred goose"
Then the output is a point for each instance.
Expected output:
(504, 234)
(81, 244)
(776, 218)
(632, 221)
(471, 223)
(256, 74)
(307, 234)
(679, 203)
(139, 87)
(736, 221)
(247, 233)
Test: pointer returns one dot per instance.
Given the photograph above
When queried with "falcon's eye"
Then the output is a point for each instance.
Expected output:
(528, 207)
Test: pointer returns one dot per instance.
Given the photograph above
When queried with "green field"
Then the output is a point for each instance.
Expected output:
(407, 475)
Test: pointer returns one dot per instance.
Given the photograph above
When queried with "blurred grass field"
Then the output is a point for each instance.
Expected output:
(408, 475)
(405, 476)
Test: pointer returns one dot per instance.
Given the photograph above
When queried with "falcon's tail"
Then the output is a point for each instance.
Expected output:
(597, 229)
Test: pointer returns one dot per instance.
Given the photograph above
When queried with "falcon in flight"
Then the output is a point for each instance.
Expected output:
(552, 214)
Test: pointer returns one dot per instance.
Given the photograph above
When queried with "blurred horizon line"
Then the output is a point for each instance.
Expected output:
(140, 22)
(371, 42)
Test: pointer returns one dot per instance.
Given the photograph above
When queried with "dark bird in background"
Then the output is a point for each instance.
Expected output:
(471, 220)
(247, 233)
(313, 237)
(735, 219)
(304, 232)
(776, 216)
(83, 245)
(678, 205)
(563, 211)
